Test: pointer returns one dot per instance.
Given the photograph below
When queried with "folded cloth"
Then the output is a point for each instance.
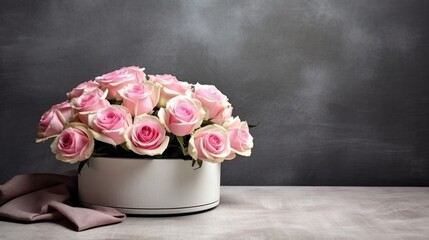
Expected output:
(51, 197)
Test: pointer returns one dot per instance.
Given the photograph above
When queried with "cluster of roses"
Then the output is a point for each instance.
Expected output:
(141, 114)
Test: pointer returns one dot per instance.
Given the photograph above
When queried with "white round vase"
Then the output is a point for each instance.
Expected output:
(149, 186)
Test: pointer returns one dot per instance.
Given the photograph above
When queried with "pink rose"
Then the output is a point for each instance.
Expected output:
(140, 98)
(137, 72)
(210, 143)
(182, 115)
(171, 87)
(216, 105)
(83, 87)
(52, 122)
(146, 136)
(89, 102)
(118, 79)
(75, 143)
(109, 124)
(239, 137)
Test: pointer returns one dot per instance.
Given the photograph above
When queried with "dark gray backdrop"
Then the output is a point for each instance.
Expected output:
(340, 88)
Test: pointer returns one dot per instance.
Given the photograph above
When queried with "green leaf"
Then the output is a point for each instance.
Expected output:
(206, 122)
(253, 125)
(200, 163)
(82, 164)
(124, 146)
(182, 145)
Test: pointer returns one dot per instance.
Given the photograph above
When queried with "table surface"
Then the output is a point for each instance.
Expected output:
(270, 213)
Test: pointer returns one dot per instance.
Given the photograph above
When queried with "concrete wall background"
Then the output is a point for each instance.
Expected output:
(340, 88)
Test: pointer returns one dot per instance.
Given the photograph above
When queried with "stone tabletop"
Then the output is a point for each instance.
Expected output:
(270, 213)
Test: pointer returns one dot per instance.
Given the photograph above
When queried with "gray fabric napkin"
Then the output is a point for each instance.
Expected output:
(51, 197)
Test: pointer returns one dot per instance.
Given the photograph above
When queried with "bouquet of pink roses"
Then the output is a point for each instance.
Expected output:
(128, 114)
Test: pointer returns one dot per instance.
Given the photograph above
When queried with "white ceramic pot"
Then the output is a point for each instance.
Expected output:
(146, 186)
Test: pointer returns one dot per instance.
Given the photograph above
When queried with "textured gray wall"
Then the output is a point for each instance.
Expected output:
(340, 88)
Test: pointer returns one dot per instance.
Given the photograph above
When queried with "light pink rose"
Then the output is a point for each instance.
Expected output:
(88, 103)
(210, 143)
(116, 80)
(52, 122)
(146, 136)
(81, 88)
(182, 115)
(140, 98)
(216, 105)
(137, 72)
(171, 87)
(109, 124)
(75, 143)
(239, 137)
